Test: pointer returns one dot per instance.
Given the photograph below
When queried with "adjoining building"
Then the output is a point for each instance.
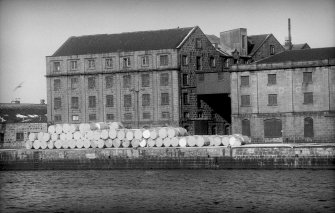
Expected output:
(289, 97)
(17, 120)
(139, 78)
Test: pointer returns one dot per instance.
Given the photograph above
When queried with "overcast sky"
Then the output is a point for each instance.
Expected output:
(33, 29)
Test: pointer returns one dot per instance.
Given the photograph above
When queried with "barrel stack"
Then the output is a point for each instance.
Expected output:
(114, 135)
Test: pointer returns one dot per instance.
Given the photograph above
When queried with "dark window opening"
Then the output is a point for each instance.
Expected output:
(308, 128)
(272, 128)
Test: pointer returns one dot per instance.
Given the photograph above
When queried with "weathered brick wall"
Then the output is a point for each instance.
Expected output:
(205, 52)
(11, 129)
(117, 71)
(248, 157)
(264, 50)
(290, 107)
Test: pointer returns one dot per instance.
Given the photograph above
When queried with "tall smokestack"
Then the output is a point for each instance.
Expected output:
(288, 40)
(289, 33)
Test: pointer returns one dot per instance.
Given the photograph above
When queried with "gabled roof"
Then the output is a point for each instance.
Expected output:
(124, 42)
(301, 55)
(23, 113)
(255, 42)
(213, 39)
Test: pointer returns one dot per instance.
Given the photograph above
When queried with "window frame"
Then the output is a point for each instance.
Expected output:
(126, 62)
(91, 63)
(57, 84)
(198, 43)
(243, 100)
(57, 103)
(108, 117)
(56, 67)
(165, 115)
(127, 100)
(307, 78)
(243, 81)
(19, 136)
(126, 81)
(92, 117)
(73, 65)
(186, 98)
(272, 79)
(184, 60)
(164, 79)
(145, 116)
(145, 61)
(212, 62)
(73, 104)
(308, 98)
(198, 63)
(75, 116)
(109, 81)
(272, 99)
(57, 117)
(109, 100)
(246, 130)
(91, 82)
(272, 49)
(74, 83)
(146, 99)
(92, 101)
(145, 80)
(165, 99)
(108, 63)
(185, 79)
(163, 60)
(308, 127)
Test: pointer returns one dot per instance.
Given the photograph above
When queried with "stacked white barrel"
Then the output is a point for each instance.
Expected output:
(114, 135)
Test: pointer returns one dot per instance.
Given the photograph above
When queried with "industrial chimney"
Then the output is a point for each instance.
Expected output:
(288, 41)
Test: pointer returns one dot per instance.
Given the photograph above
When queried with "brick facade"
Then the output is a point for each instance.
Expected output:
(291, 108)
(264, 50)
(197, 109)
(117, 112)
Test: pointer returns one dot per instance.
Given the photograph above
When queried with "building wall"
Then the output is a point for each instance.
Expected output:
(290, 108)
(264, 50)
(11, 129)
(118, 91)
(205, 52)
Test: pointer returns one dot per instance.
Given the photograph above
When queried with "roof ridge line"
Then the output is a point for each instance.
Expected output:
(130, 32)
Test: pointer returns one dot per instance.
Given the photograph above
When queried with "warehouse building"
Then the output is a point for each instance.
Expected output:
(289, 97)
(142, 79)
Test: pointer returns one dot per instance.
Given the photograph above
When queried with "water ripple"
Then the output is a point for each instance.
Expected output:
(168, 191)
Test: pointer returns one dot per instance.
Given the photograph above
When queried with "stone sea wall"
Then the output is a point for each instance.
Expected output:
(244, 157)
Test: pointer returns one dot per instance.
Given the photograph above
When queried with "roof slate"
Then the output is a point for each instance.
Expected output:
(213, 39)
(123, 42)
(9, 112)
(255, 41)
(301, 55)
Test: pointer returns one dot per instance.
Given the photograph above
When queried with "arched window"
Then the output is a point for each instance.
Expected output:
(308, 128)
(246, 127)
(272, 128)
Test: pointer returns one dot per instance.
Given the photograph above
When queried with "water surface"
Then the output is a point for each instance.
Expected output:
(168, 191)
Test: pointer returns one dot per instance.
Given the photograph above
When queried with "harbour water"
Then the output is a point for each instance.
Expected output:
(168, 191)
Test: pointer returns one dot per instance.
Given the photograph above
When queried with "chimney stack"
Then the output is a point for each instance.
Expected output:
(288, 42)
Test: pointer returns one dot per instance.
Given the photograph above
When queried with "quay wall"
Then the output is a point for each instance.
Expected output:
(243, 157)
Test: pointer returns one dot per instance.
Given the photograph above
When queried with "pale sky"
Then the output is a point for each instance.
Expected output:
(30, 30)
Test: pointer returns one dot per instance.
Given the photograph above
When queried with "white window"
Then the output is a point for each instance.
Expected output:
(73, 65)
(75, 117)
(126, 62)
(91, 64)
(145, 60)
(163, 60)
(108, 63)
